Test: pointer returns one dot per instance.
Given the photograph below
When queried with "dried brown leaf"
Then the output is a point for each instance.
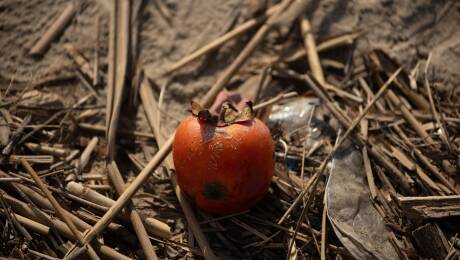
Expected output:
(229, 114)
(246, 114)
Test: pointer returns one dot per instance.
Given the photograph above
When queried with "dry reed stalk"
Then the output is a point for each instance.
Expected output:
(54, 30)
(153, 226)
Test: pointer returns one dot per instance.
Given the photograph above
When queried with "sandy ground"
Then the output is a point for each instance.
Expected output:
(405, 29)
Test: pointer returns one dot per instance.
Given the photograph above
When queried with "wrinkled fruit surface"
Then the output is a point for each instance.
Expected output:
(223, 169)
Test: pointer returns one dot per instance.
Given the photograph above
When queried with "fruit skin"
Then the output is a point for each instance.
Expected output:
(223, 169)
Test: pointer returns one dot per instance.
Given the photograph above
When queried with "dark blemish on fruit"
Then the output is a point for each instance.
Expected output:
(207, 132)
(213, 191)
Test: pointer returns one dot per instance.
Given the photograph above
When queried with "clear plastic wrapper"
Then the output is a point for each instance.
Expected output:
(356, 222)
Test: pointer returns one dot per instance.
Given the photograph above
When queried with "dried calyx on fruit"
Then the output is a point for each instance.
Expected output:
(228, 115)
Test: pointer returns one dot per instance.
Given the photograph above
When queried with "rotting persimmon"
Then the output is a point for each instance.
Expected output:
(224, 164)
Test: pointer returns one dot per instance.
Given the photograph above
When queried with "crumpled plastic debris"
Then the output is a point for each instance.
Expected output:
(356, 222)
(293, 114)
(292, 117)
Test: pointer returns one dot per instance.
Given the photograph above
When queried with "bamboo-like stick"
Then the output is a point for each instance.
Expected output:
(86, 154)
(33, 252)
(444, 134)
(69, 157)
(345, 39)
(101, 129)
(90, 113)
(153, 226)
(88, 194)
(112, 56)
(149, 103)
(410, 118)
(79, 60)
(115, 228)
(38, 159)
(30, 224)
(323, 232)
(46, 149)
(59, 210)
(136, 221)
(10, 179)
(119, 46)
(54, 30)
(370, 94)
(96, 53)
(275, 100)
(158, 228)
(366, 160)
(312, 53)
